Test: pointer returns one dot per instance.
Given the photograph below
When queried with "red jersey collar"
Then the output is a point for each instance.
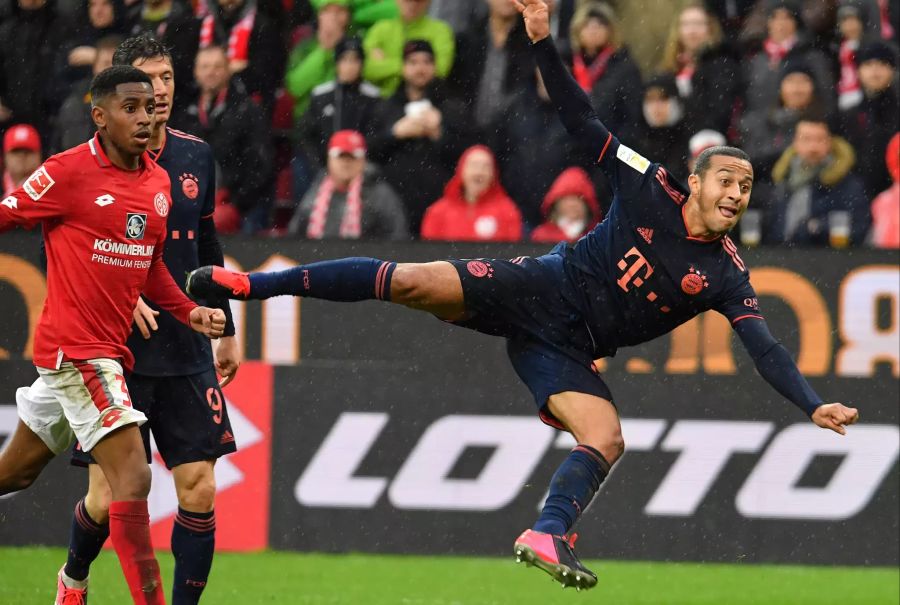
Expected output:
(103, 160)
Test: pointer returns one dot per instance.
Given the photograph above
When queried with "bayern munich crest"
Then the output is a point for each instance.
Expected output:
(161, 202)
(189, 186)
(480, 268)
(694, 282)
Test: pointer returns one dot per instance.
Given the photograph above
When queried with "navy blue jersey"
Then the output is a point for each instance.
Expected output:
(639, 274)
(174, 349)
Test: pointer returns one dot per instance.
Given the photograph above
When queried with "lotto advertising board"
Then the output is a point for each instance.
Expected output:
(390, 431)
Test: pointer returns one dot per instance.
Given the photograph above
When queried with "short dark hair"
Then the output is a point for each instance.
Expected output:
(816, 115)
(705, 157)
(105, 83)
(141, 47)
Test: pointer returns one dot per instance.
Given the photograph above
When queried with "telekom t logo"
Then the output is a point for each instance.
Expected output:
(631, 272)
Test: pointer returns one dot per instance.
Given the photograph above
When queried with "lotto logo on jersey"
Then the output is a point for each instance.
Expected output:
(10, 202)
(135, 225)
(38, 184)
(161, 202)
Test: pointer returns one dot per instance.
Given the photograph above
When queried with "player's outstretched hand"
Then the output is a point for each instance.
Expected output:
(537, 18)
(145, 318)
(227, 358)
(835, 416)
(209, 322)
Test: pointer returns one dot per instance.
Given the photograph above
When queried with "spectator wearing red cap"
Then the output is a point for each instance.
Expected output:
(21, 156)
(348, 201)
(570, 208)
(475, 207)
(886, 207)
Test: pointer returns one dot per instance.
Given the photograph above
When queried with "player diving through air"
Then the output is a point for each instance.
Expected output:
(661, 257)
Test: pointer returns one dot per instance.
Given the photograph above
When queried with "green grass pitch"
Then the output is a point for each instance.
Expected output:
(28, 576)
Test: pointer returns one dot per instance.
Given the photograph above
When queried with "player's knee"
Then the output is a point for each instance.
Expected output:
(615, 448)
(97, 502)
(197, 492)
(610, 444)
(131, 485)
(16, 480)
(406, 283)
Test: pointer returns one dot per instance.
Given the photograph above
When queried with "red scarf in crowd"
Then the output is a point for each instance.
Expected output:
(351, 223)
(887, 30)
(778, 51)
(587, 75)
(849, 91)
(238, 38)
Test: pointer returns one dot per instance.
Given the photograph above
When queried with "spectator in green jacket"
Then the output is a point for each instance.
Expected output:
(312, 62)
(368, 12)
(385, 40)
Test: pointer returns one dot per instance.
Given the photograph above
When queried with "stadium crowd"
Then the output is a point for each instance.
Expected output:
(427, 119)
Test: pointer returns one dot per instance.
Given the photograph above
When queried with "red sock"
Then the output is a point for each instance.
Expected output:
(129, 528)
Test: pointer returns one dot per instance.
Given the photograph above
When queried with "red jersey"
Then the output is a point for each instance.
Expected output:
(104, 229)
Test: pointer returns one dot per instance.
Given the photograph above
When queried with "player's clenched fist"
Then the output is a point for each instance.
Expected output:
(835, 416)
(209, 322)
(537, 18)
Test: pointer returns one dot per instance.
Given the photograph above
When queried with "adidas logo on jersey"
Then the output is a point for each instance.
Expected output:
(647, 234)
(104, 200)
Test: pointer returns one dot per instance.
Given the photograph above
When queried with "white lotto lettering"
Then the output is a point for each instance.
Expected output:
(771, 489)
(11, 202)
(519, 444)
(865, 343)
(106, 245)
(705, 447)
(329, 480)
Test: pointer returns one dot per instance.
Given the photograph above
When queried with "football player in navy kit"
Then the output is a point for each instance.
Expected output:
(661, 256)
(174, 380)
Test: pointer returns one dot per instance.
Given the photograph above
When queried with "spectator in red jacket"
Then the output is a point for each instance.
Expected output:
(886, 207)
(475, 207)
(570, 208)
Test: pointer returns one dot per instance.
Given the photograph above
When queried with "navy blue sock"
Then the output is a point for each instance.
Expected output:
(85, 542)
(342, 280)
(572, 488)
(193, 545)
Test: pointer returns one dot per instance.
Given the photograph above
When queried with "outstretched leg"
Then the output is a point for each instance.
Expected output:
(594, 423)
(432, 287)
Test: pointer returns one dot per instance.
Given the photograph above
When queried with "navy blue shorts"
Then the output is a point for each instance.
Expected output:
(187, 415)
(548, 341)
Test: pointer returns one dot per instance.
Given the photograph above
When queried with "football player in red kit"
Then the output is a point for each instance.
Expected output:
(103, 208)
